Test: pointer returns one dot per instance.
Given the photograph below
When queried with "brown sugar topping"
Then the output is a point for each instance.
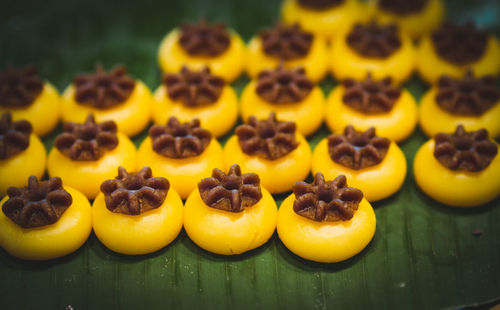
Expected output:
(14, 136)
(19, 88)
(87, 141)
(283, 85)
(270, 139)
(103, 90)
(460, 45)
(134, 193)
(179, 140)
(194, 88)
(319, 5)
(39, 204)
(203, 39)
(374, 40)
(403, 7)
(468, 96)
(465, 151)
(356, 149)
(286, 42)
(369, 96)
(324, 201)
(230, 192)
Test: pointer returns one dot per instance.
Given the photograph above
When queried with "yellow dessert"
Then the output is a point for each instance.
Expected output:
(44, 220)
(326, 221)
(272, 149)
(85, 155)
(289, 94)
(459, 169)
(28, 98)
(453, 49)
(380, 49)
(415, 17)
(22, 154)
(323, 18)
(368, 103)
(471, 101)
(202, 44)
(373, 164)
(197, 94)
(289, 46)
(109, 96)
(230, 214)
(182, 153)
(137, 213)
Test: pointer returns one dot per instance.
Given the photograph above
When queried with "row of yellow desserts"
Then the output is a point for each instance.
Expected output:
(227, 214)
(369, 46)
(470, 100)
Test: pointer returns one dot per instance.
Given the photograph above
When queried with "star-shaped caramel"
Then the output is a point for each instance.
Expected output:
(40, 203)
(374, 40)
(286, 42)
(14, 136)
(230, 192)
(283, 85)
(319, 5)
(356, 149)
(465, 151)
(103, 90)
(403, 7)
(326, 201)
(204, 39)
(19, 88)
(194, 88)
(134, 193)
(179, 140)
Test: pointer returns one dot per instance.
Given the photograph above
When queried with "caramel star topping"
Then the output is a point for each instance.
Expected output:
(194, 88)
(103, 90)
(176, 140)
(460, 45)
(374, 40)
(403, 7)
(134, 193)
(283, 85)
(286, 42)
(369, 96)
(87, 141)
(467, 96)
(270, 139)
(19, 88)
(230, 192)
(203, 39)
(319, 5)
(465, 151)
(326, 201)
(356, 149)
(38, 204)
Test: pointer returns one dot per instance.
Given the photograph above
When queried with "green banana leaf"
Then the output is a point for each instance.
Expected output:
(423, 255)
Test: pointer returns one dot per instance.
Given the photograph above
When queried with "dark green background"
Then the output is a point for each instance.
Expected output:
(423, 254)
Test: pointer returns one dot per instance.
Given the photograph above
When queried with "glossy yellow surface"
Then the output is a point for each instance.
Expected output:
(430, 66)
(218, 117)
(415, 25)
(43, 113)
(307, 114)
(327, 23)
(347, 63)
(87, 176)
(315, 62)
(325, 242)
(277, 175)
(138, 234)
(455, 188)
(377, 182)
(51, 241)
(396, 125)
(131, 116)
(183, 173)
(434, 119)
(14, 171)
(228, 233)
(229, 65)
